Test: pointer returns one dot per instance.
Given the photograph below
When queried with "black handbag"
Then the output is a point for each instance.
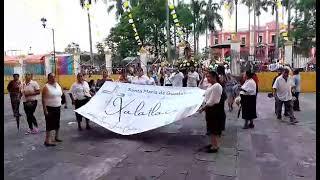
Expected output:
(63, 99)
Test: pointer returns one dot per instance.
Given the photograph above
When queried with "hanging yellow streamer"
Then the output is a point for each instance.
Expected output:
(126, 6)
(176, 21)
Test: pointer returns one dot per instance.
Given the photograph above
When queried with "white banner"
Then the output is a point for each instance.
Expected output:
(130, 109)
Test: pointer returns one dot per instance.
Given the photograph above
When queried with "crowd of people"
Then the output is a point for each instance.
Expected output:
(218, 83)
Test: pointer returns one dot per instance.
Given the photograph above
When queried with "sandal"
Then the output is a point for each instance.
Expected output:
(211, 150)
(48, 144)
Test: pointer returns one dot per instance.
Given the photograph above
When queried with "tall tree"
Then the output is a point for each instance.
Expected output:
(249, 4)
(85, 4)
(274, 10)
(197, 8)
(212, 18)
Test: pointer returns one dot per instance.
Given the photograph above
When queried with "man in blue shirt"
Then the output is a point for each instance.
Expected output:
(296, 89)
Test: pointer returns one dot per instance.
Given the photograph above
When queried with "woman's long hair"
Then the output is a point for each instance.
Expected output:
(215, 75)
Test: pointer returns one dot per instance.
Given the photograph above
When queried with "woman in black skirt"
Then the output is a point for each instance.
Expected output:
(248, 93)
(51, 101)
(214, 108)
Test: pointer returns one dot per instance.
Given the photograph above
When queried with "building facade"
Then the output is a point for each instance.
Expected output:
(265, 42)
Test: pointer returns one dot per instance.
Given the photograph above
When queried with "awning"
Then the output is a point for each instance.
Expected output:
(11, 60)
(34, 59)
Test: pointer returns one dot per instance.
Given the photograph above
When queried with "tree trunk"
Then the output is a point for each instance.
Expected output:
(254, 29)
(258, 17)
(289, 18)
(277, 34)
(90, 39)
(194, 32)
(249, 20)
(206, 37)
(175, 39)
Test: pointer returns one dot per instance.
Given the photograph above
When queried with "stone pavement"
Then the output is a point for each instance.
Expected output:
(273, 150)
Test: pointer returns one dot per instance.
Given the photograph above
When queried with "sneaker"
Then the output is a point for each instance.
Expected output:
(28, 132)
(294, 121)
(35, 131)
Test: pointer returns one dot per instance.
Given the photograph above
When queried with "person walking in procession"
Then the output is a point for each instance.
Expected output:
(283, 93)
(214, 111)
(14, 89)
(140, 78)
(296, 89)
(248, 93)
(193, 78)
(51, 102)
(280, 70)
(30, 92)
(100, 82)
(80, 96)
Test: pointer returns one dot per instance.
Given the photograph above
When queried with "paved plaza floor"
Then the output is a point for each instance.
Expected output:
(273, 150)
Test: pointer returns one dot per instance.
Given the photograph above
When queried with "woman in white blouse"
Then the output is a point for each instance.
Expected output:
(140, 78)
(248, 100)
(214, 108)
(51, 101)
(80, 96)
(204, 84)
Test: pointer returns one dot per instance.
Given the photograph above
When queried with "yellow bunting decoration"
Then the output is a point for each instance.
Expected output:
(126, 6)
(87, 6)
(176, 21)
(174, 16)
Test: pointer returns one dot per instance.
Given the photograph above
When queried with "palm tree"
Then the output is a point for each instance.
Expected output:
(249, 4)
(117, 5)
(260, 5)
(198, 26)
(288, 4)
(274, 10)
(211, 18)
(85, 5)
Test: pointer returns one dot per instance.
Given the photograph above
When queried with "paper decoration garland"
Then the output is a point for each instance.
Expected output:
(176, 21)
(126, 7)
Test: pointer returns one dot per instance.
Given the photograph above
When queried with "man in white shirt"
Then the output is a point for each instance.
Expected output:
(193, 78)
(176, 78)
(282, 92)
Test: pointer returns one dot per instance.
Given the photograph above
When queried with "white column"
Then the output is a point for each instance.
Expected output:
(144, 60)
(108, 60)
(235, 58)
(76, 63)
(288, 53)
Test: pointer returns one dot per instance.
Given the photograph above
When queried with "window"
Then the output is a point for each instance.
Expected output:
(216, 40)
(273, 39)
(243, 40)
(260, 39)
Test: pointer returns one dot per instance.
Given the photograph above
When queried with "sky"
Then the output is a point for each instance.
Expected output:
(23, 28)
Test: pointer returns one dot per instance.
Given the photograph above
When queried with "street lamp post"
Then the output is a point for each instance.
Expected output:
(44, 21)
(236, 3)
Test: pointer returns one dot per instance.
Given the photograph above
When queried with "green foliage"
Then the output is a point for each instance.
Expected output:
(304, 26)
(150, 19)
